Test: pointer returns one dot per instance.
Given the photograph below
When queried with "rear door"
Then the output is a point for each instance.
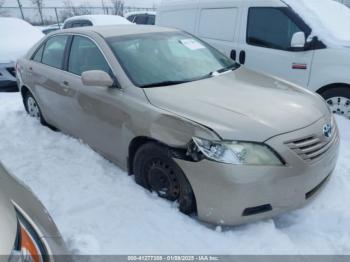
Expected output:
(218, 24)
(45, 72)
(266, 41)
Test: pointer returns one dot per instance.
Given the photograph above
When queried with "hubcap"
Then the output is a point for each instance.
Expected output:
(33, 108)
(339, 105)
(162, 179)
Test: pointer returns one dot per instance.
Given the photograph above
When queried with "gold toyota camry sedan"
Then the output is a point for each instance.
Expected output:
(229, 144)
(27, 230)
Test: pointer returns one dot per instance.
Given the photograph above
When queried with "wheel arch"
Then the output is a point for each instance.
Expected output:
(134, 145)
(325, 88)
(139, 141)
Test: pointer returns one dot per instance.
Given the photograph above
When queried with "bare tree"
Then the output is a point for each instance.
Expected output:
(70, 10)
(118, 7)
(39, 4)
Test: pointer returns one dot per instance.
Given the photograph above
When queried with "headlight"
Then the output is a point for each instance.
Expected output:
(237, 153)
(28, 246)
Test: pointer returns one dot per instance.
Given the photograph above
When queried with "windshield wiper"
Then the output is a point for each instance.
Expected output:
(165, 83)
(225, 69)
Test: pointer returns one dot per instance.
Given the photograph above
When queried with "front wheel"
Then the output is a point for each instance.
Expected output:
(159, 173)
(338, 99)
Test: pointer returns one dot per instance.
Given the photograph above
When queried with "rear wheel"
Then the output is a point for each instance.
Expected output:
(157, 172)
(33, 108)
(338, 99)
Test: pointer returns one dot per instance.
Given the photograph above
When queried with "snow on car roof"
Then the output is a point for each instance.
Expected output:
(17, 37)
(328, 19)
(126, 15)
(102, 19)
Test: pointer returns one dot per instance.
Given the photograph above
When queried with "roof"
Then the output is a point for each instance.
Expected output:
(120, 30)
(101, 19)
(126, 15)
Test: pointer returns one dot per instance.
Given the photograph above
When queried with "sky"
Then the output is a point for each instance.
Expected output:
(49, 3)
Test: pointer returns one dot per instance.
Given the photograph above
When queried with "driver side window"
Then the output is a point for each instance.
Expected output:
(271, 28)
(85, 56)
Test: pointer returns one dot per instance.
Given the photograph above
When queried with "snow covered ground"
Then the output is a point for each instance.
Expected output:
(100, 210)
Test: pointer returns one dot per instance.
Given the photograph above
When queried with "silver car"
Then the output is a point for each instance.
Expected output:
(225, 142)
(27, 230)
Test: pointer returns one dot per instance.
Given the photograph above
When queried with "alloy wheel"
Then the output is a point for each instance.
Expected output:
(339, 105)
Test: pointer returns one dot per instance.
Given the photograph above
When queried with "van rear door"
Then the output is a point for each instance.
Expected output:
(266, 41)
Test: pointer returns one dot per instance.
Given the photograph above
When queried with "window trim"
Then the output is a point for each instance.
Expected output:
(64, 50)
(289, 12)
(44, 45)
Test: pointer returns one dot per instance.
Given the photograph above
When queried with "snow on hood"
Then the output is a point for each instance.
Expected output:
(328, 19)
(17, 37)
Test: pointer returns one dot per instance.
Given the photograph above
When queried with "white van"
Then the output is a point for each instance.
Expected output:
(306, 42)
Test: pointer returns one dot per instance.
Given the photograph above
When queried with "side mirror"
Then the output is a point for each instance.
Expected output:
(298, 41)
(96, 78)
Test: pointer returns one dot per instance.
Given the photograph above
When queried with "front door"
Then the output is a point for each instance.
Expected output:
(96, 113)
(266, 44)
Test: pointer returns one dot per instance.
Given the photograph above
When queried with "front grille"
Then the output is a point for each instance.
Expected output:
(313, 147)
(12, 71)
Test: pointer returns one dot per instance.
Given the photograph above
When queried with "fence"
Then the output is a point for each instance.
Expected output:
(52, 15)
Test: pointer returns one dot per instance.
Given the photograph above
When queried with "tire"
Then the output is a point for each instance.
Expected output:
(338, 99)
(156, 171)
(33, 108)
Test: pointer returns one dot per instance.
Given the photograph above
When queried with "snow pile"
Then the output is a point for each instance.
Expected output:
(102, 19)
(100, 210)
(328, 19)
(17, 37)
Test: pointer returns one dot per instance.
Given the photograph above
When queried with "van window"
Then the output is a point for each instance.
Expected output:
(219, 24)
(85, 56)
(151, 20)
(54, 51)
(141, 19)
(270, 27)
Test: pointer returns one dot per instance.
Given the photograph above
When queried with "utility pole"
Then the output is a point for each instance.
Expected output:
(20, 8)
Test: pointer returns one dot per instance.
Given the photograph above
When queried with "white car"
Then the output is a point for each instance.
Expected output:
(306, 42)
(17, 37)
(141, 17)
(94, 20)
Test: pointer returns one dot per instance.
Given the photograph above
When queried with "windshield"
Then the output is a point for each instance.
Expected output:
(169, 58)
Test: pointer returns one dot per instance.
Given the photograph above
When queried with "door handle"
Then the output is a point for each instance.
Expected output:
(65, 83)
(31, 68)
(242, 57)
(233, 55)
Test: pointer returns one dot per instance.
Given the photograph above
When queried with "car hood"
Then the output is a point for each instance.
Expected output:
(8, 225)
(241, 105)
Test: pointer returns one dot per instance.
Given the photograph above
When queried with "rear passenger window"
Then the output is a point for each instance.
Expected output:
(270, 27)
(141, 19)
(131, 18)
(85, 56)
(54, 51)
(218, 23)
(151, 20)
(39, 53)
